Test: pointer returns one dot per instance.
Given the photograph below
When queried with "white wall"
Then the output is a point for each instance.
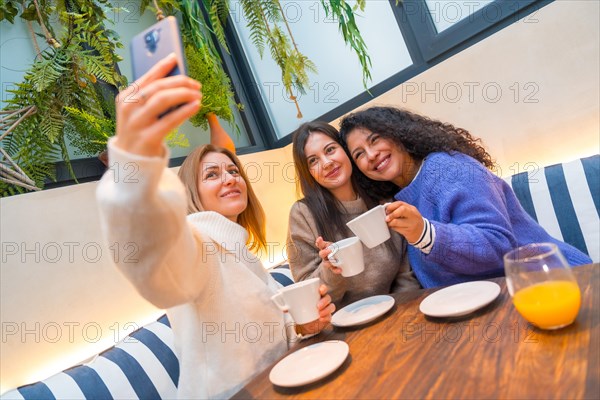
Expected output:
(552, 57)
(60, 296)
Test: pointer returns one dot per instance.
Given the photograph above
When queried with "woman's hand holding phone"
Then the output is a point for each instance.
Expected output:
(139, 128)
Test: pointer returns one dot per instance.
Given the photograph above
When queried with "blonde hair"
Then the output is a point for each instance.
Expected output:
(252, 218)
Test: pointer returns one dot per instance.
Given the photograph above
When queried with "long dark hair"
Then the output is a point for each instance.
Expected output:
(416, 134)
(323, 205)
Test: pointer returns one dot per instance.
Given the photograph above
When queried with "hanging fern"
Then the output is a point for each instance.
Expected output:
(299, 64)
(94, 65)
(9, 10)
(31, 150)
(344, 13)
(46, 72)
(177, 139)
(88, 133)
(258, 30)
(264, 19)
(65, 156)
(218, 11)
(63, 77)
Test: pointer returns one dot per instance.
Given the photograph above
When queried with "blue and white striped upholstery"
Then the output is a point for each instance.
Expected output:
(282, 275)
(142, 366)
(565, 200)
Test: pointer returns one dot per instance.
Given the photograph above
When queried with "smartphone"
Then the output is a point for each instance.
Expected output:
(154, 44)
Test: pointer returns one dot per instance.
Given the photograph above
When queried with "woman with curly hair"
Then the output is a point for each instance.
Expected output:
(457, 216)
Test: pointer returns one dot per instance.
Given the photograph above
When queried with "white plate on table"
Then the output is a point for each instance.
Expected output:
(362, 311)
(460, 299)
(309, 364)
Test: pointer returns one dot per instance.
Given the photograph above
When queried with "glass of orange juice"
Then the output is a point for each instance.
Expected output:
(542, 285)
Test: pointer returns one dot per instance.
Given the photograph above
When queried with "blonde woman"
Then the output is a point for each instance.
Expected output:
(192, 239)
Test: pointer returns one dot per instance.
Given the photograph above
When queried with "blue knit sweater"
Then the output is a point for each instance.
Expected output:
(477, 219)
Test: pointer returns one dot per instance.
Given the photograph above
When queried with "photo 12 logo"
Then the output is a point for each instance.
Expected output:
(66, 252)
(471, 92)
(66, 331)
(470, 332)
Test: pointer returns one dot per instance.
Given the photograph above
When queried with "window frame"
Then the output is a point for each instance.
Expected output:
(426, 47)
(434, 44)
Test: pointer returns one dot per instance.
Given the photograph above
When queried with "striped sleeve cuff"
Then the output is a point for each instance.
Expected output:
(425, 242)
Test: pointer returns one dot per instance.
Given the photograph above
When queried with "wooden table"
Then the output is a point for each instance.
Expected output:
(490, 354)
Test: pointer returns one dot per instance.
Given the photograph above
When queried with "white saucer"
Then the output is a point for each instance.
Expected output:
(362, 311)
(309, 364)
(460, 299)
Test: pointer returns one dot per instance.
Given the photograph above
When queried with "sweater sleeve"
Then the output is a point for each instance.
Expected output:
(472, 225)
(303, 254)
(143, 205)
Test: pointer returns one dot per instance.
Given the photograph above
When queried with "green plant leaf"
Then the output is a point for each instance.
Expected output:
(62, 83)
(8, 11)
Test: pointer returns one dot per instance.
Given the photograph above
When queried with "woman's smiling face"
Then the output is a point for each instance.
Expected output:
(380, 158)
(221, 187)
(327, 162)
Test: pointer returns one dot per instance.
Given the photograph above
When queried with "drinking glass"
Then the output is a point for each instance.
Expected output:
(542, 285)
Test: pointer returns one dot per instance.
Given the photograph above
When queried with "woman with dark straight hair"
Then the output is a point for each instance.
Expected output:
(331, 198)
(457, 216)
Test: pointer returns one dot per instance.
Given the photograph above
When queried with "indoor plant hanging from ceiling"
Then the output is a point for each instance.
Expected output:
(67, 95)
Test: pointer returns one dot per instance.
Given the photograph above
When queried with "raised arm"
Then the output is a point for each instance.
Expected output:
(142, 204)
(218, 135)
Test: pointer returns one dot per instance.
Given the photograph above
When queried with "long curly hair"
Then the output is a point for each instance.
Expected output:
(419, 136)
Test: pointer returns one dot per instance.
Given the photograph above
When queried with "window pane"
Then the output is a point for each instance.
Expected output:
(339, 76)
(446, 13)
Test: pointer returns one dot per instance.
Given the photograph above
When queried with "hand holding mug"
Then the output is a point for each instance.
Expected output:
(405, 219)
(326, 309)
(347, 254)
(324, 252)
(371, 227)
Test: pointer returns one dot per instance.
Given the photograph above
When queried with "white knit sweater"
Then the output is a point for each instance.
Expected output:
(217, 293)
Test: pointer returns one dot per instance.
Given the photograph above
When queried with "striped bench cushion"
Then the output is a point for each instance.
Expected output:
(565, 200)
(282, 275)
(141, 366)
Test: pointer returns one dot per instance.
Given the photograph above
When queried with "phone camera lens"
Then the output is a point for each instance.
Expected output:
(151, 40)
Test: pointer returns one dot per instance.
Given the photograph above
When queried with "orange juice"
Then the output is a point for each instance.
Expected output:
(549, 305)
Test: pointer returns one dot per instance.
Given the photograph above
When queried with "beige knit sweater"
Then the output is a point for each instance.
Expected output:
(385, 272)
(217, 293)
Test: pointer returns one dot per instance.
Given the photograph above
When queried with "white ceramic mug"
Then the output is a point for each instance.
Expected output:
(347, 254)
(300, 300)
(370, 227)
